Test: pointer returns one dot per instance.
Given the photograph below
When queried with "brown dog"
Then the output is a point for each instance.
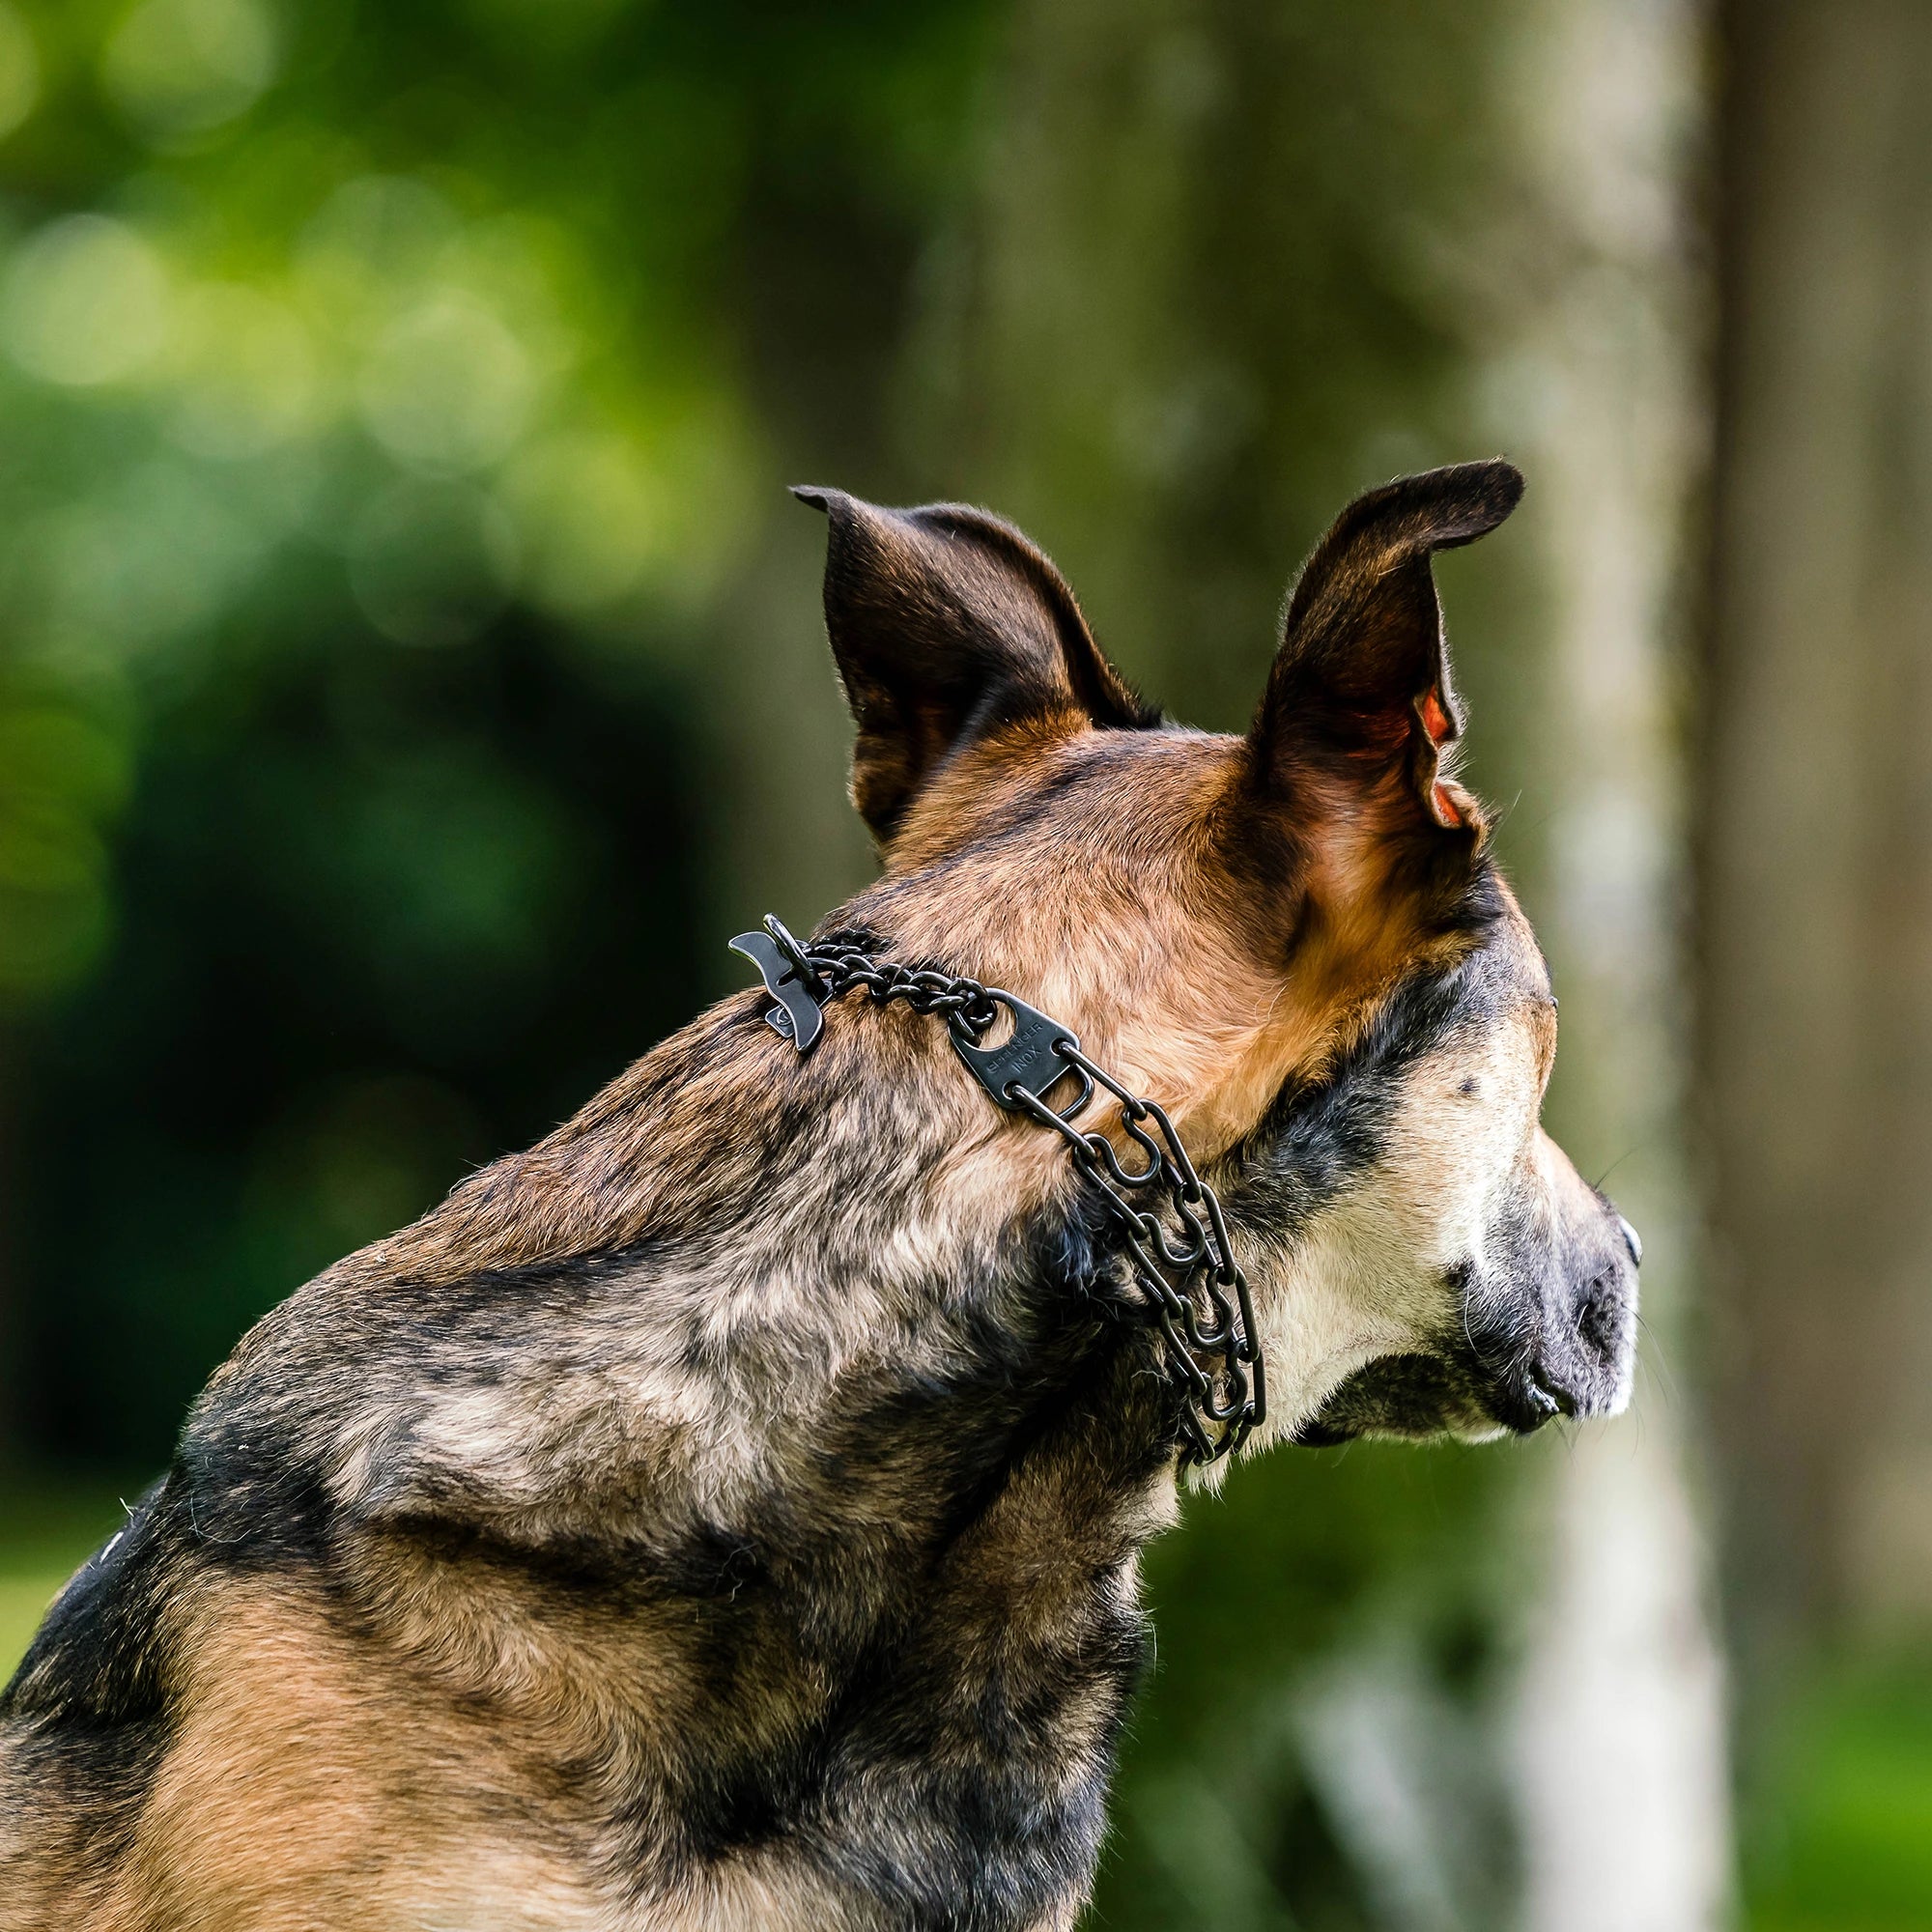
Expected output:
(727, 1514)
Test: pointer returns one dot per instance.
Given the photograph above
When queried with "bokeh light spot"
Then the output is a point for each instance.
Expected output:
(448, 387)
(590, 512)
(552, 26)
(148, 561)
(182, 66)
(52, 751)
(20, 70)
(373, 234)
(85, 302)
(250, 380)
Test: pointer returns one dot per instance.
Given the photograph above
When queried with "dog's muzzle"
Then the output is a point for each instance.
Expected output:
(1514, 1366)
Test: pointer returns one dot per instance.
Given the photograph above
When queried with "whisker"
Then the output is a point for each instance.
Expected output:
(1633, 1148)
(1469, 1335)
(1505, 813)
(1654, 1359)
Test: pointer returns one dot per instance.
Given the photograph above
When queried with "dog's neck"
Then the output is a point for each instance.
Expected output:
(795, 1366)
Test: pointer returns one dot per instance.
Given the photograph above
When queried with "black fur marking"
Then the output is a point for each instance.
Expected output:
(89, 1702)
(1317, 1138)
(92, 1776)
(94, 1656)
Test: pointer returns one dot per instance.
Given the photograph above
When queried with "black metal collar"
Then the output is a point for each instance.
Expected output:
(1191, 1291)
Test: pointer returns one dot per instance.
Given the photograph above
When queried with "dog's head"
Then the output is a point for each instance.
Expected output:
(1294, 939)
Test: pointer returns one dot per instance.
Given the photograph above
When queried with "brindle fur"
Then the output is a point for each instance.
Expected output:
(726, 1513)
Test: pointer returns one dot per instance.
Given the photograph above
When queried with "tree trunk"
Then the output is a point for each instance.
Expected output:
(1620, 1734)
(1817, 956)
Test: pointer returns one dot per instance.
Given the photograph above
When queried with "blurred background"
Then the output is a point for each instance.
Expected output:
(411, 672)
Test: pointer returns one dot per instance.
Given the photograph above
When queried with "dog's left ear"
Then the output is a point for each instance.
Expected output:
(1360, 692)
(946, 626)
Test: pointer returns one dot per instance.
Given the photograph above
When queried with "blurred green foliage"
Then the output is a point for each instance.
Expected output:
(420, 311)
(1841, 1836)
(382, 425)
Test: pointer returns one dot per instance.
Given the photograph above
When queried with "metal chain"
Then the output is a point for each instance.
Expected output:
(1193, 1292)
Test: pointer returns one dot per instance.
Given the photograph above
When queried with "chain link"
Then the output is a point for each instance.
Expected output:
(1192, 1291)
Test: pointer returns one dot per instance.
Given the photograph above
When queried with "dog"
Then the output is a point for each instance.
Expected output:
(726, 1513)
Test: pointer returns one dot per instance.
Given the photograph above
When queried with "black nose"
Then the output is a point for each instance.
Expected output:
(1632, 1242)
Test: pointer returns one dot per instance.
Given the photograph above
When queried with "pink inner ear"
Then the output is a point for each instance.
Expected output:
(1434, 717)
(1447, 815)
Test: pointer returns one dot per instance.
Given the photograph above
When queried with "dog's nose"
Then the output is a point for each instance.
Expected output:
(1632, 1242)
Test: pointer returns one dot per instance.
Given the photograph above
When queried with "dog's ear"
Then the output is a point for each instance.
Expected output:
(1360, 691)
(946, 625)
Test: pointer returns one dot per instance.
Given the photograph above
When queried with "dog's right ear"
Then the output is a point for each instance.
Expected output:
(1360, 689)
(948, 626)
